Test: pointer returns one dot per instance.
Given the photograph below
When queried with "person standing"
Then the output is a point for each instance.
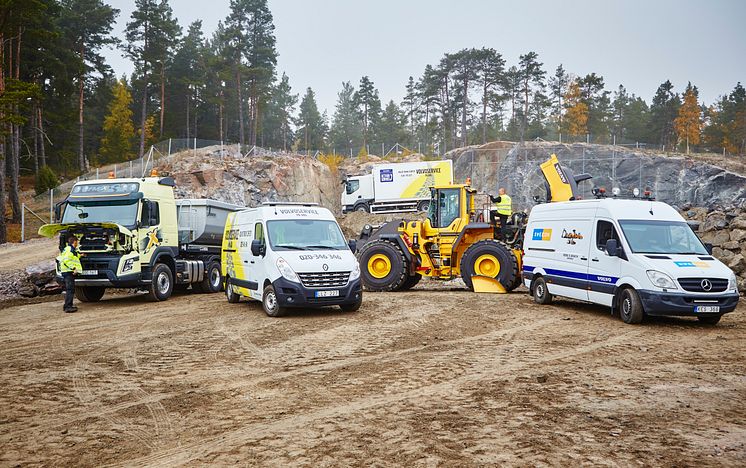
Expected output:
(69, 261)
(504, 208)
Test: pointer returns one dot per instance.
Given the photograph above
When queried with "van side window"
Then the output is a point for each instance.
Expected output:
(258, 232)
(605, 231)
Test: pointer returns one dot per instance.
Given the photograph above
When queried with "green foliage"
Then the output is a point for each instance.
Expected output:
(45, 180)
(116, 144)
(311, 125)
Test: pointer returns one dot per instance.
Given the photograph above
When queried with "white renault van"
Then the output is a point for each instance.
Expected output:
(639, 257)
(289, 255)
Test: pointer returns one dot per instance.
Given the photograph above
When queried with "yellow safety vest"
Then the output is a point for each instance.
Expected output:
(504, 206)
(69, 261)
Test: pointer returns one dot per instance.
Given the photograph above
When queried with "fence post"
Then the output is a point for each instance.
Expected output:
(23, 222)
(169, 147)
(560, 137)
(383, 150)
(97, 173)
(587, 137)
(115, 171)
(51, 205)
(221, 149)
(130, 169)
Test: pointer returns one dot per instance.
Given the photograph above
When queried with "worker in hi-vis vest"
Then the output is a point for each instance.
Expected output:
(69, 261)
(503, 208)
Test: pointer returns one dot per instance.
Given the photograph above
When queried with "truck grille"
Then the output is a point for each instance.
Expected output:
(695, 284)
(324, 280)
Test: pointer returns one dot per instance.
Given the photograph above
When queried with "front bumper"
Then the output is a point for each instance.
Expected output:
(108, 279)
(666, 303)
(291, 294)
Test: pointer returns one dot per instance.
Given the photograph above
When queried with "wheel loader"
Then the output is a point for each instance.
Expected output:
(459, 238)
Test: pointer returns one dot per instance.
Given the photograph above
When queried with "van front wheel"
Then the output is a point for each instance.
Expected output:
(630, 306)
(541, 293)
(270, 303)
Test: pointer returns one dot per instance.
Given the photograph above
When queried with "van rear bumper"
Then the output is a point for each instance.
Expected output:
(290, 294)
(665, 303)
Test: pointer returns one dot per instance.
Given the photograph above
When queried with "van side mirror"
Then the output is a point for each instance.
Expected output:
(258, 248)
(708, 248)
(353, 245)
(612, 248)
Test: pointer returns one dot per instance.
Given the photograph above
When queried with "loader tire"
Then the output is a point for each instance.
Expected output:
(493, 259)
(410, 282)
(382, 266)
(89, 293)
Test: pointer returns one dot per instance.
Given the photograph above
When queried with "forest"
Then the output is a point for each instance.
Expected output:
(64, 111)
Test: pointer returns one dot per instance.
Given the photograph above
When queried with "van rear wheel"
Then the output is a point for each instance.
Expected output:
(541, 293)
(630, 306)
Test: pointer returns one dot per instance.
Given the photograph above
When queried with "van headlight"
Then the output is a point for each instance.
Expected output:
(355, 272)
(661, 280)
(286, 271)
(732, 283)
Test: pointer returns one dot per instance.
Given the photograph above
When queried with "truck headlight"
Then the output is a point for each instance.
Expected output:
(661, 280)
(286, 271)
(732, 283)
(355, 272)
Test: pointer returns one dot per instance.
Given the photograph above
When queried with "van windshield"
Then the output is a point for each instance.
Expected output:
(662, 237)
(305, 234)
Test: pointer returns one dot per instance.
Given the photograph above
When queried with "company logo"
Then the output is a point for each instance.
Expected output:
(325, 267)
(692, 264)
(571, 236)
(541, 235)
(561, 173)
(706, 284)
(387, 175)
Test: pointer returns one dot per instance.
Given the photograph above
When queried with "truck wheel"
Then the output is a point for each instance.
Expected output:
(489, 258)
(270, 303)
(162, 284)
(230, 294)
(211, 282)
(362, 207)
(382, 265)
(541, 293)
(711, 320)
(89, 293)
(410, 282)
(424, 205)
(630, 306)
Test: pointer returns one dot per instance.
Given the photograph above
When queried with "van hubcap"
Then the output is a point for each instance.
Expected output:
(270, 301)
(540, 290)
(626, 306)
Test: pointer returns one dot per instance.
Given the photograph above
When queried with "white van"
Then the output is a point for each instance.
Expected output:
(289, 255)
(639, 257)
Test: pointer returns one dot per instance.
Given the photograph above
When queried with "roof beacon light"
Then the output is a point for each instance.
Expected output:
(636, 192)
(111, 174)
(616, 191)
(153, 173)
(468, 181)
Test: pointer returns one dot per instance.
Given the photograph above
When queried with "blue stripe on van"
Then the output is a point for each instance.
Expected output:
(576, 275)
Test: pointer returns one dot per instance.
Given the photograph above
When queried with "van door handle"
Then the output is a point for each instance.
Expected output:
(594, 259)
(252, 261)
(584, 258)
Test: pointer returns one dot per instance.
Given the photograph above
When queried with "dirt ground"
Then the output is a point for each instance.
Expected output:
(425, 378)
(14, 256)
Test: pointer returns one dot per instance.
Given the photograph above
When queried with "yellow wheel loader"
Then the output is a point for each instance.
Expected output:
(459, 238)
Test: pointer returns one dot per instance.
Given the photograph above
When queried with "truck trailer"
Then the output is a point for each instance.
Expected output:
(134, 233)
(395, 187)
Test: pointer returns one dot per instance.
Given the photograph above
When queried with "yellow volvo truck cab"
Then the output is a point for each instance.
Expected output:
(134, 233)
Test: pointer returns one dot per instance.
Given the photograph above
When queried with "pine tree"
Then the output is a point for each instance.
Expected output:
(311, 125)
(392, 127)
(597, 100)
(346, 129)
(558, 86)
(116, 145)
(619, 107)
(576, 111)
(663, 111)
(688, 123)
(278, 120)
(531, 77)
(411, 104)
(188, 80)
(369, 106)
(491, 68)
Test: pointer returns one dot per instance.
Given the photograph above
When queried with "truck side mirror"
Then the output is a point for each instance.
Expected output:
(257, 248)
(612, 248)
(353, 245)
(708, 248)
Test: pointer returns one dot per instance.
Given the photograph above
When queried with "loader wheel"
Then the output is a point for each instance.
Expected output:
(490, 258)
(89, 293)
(383, 266)
(410, 282)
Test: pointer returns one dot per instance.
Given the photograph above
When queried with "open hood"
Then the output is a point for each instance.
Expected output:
(50, 230)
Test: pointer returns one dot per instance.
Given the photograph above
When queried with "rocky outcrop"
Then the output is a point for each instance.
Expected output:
(680, 181)
(34, 280)
(726, 231)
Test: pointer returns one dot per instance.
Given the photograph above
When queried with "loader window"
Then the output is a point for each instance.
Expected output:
(449, 207)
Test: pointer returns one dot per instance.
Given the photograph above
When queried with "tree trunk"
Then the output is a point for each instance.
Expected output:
(163, 98)
(144, 110)
(187, 115)
(241, 139)
(35, 135)
(15, 201)
(81, 86)
(220, 117)
(484, 113)
(195, 112)
(42, 151)
(3, 229)
(464, 112)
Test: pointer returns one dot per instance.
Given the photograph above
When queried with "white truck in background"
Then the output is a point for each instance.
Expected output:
(395, 187)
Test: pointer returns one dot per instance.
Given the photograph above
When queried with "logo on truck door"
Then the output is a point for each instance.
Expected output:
(387, 175)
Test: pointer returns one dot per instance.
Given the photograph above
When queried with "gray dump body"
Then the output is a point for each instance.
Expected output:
(202, 221)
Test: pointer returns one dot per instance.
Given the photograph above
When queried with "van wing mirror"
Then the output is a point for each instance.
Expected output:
(353, 245)
(257, 248)
(612, 248)
(708, 248)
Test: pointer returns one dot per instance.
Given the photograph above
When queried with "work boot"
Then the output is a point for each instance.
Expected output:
(71, 309)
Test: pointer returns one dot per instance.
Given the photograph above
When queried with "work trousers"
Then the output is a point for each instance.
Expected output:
(503, 226)
(69, 289)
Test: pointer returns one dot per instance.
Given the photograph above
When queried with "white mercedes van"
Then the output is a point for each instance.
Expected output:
(638, 257)
(289, 255)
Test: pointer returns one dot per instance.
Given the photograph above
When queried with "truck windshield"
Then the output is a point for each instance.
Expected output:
(124, 213)
(661, 237)
(351, 186)
(305, 234)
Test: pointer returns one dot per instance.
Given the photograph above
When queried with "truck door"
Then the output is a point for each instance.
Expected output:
(603, 270)
(255, 269)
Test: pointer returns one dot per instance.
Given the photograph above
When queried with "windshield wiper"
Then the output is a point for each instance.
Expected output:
(288, 246)
(330, 247)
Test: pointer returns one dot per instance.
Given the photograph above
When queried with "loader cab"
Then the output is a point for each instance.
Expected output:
(450, 207)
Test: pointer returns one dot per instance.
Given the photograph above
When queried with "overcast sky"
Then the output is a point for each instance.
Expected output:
(638, 43)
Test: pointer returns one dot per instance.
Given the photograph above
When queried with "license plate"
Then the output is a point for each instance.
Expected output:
(707, 309)
(89, 273)
(332, 293)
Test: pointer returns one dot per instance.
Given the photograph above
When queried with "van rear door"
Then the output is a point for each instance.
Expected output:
(603, 270)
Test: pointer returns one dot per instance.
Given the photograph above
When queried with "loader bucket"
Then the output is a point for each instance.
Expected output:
(485, 284)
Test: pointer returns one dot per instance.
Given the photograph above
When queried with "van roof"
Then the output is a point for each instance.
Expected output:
(617, 208)
(288, 211)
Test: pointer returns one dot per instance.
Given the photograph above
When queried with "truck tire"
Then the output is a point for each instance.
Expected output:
(362, 207)
(630, 306)
(89, 293)
(382, 266)
(212, 280)
(490, 258)
(423, 205)
(410, 282)
(540, 292)
(230, 294)
(270, 304)
(162, 284)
